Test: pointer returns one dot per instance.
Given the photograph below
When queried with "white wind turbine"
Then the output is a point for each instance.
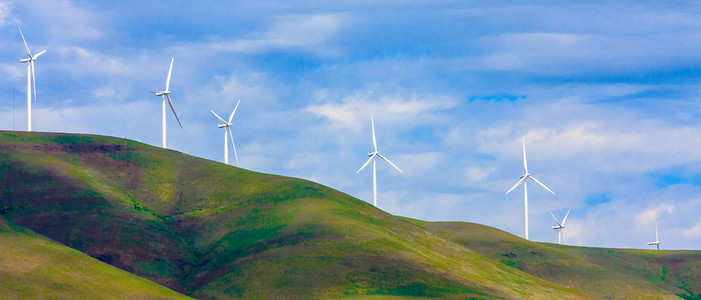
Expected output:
(373, 155)
(31, 79)
(525, 188)
(227, 128)
(657, 239)
(166, 94)
(560, 227)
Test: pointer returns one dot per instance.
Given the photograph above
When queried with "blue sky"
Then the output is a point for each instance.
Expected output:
(605, 94)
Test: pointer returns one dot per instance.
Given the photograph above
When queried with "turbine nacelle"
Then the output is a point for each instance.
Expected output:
(161, 93)
(374, 153)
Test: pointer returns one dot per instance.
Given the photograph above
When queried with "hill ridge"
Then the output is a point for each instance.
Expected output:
(212, 230)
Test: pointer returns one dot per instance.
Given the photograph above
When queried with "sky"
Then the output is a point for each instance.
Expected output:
(605, 95)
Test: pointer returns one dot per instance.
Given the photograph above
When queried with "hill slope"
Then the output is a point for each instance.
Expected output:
(33, 267)
(606, 273)
(215, 231)
(211, 230)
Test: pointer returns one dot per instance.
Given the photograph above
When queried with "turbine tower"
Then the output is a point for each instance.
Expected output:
(227, 128)
(166, 94)
(525, 188)
(373, 155)
(657, 239)
(31, 79)
(560, 227)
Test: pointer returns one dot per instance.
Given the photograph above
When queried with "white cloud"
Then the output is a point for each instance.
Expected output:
(13, 71)
(87, 62)
(652, 215)
(353, 110)
(63, 21)
(6, 16)
(477, 173)
(694, 232)
(104, 92)
(306, 32)
(344, 116)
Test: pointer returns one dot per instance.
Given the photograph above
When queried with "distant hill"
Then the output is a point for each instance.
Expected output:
(606, 273)
(210, 230)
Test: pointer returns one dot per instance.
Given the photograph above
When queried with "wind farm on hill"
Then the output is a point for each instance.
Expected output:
(206, 229)
(165, 95)
(94, 216)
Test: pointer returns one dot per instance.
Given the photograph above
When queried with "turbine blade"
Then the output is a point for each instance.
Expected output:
(366, 163)
(387, 160)
(218, 117)
(657, 238)
(565, 219)
(173, 109)
(558, 222)
(25, 43)
(231, 135)
(169, 71)
(231, 117)
(374, 141)
(536, 180)
(34, 81)
(525, 164)
(515, 185)
(38, 54)
(563, 235)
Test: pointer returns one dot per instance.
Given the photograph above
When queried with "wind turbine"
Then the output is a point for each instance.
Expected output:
(31, 79)
(560, 227)
(525, 188)
(166, 94)
(373, 155)
(657, 239)
(227, 128)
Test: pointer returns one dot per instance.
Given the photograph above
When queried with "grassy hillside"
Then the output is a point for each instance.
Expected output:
(33, 267)
(606, 273)
(211, 230)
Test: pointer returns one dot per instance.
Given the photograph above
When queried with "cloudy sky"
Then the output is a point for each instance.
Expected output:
(605, 95)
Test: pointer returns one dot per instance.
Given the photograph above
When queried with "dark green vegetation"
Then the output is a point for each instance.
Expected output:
(206, 229)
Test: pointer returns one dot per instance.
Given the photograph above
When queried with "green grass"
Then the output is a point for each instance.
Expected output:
(211, 230)
(617, 273)
(32, 266)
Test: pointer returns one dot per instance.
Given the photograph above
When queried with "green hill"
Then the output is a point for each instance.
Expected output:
(606, 273)
(33, 266)
(207, 229)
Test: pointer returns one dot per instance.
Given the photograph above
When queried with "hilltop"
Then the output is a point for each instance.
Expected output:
(210, 230)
